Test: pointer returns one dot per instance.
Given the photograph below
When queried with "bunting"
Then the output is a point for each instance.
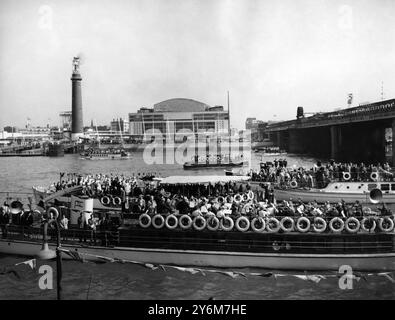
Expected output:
(315, 278)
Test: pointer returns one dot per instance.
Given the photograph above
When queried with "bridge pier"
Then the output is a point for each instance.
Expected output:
(335, 142)
(296, 144)
(393, 142)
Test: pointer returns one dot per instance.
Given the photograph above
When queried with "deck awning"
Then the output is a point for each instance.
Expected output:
(202, 179)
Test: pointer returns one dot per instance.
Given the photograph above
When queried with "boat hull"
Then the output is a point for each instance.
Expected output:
(277, 261)
(332, 197)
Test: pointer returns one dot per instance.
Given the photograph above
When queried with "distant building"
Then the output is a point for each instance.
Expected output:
(120, 125)
(172, 116)
(256, 128)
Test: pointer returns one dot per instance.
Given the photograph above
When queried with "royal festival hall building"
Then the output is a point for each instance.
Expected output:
(172, 118)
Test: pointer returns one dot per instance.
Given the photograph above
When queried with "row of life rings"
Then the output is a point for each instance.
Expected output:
(272, 224)
(238, 198)
(108, 200)
(374, 176)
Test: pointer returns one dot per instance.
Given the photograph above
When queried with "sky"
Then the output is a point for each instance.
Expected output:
(272, 56)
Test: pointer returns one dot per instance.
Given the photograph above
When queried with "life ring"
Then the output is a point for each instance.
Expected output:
(245, 197)
(221, 199)
(116, 201)
(251, 195)
(293, 184)
(229, 199)
(53, 213)
(105, 200)
(185, 225)
(374, 176)
(230, 226)
(258, 229)
(240, 227)
(216, 223)
(155, 219)
(237, 198)
(146, 217)
(346, 176)
(218, 158)
(171, 225)
(332, 225)
(354, 227)
(319, 225)
(287, 220)
(274, 221)
(202, 225)
(387, 220)
(300, 222)
(364, 225)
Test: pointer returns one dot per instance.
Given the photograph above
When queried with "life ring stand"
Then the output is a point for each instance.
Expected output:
(230, 226)
(293, 184)
(196, 225)
(258, 229)
(105, 200)
(365, 228)
(155, 219)
(374, 176)
(183, 225)
(319, 221)
(141, 222)
(299, 223)
(116, 201)
(349, 227)
(388, 220)
(269, 228)
(240, 227)
(346, 176)
(170, 225)
(216, 225)
(332, 225)
(287, 220)
(237, 198)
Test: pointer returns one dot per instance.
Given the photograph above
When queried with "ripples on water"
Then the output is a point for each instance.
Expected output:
(126, 281)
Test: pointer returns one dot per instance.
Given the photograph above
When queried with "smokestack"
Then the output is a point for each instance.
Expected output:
(77, 128)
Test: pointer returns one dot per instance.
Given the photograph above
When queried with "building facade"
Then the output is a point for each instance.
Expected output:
(175, 116)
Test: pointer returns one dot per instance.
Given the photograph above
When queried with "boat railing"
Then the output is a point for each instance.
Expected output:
(137, 236)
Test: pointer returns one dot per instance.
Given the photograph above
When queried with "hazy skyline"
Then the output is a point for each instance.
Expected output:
(271, 55)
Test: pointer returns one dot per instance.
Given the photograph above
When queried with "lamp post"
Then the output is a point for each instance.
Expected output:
(46, 254)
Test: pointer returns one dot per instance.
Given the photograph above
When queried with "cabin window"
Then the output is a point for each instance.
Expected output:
(385, 187)
(393, 186)
(372, 186)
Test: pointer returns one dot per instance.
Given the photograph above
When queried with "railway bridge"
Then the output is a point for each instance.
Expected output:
(363, 133)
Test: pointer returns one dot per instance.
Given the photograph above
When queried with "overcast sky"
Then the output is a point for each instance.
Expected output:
(271, 55)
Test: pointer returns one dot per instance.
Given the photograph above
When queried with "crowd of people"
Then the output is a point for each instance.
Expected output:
(320, 174)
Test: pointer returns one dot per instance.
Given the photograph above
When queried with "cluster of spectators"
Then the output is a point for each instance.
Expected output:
(320, 175)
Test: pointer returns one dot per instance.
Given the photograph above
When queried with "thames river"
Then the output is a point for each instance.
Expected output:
(128, 281)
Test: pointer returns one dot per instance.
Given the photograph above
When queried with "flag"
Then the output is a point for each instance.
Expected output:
(31, 263)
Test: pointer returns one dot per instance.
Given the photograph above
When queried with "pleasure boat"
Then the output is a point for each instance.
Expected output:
(277, 242)
(105, 154)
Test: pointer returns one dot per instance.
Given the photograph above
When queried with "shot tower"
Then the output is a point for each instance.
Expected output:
(77, 128)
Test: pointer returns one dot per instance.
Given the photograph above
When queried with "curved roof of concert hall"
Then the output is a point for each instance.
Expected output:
(180, 105)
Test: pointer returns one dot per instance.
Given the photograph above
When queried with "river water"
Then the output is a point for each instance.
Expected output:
(129, 281)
